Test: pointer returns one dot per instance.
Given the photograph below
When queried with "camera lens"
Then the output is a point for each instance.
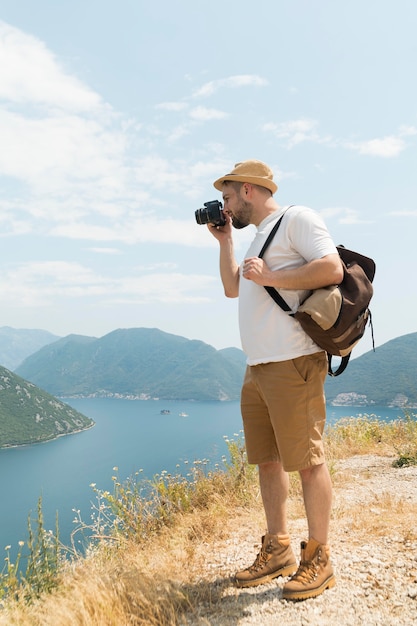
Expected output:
(211, 214)
(201, 216)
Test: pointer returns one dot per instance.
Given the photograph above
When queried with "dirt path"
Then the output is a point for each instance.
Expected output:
(374, 552)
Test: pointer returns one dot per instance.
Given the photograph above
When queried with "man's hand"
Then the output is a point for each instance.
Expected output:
(317, 273)
(221, 232)
(257, 270)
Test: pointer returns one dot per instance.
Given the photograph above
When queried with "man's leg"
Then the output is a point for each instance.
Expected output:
(317, 493)
(274, 484)
(276, 557)
(315, 572)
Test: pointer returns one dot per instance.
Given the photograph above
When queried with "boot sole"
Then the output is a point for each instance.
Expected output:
(309, 593)
(289, 570)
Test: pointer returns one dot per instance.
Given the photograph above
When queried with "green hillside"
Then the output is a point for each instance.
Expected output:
(143, 362)
(138, 362)
(386, 377)
(30, 415)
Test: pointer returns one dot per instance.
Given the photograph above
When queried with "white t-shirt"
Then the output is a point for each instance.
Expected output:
(267, 332)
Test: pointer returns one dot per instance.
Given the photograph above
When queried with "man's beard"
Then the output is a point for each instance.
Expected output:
(243, 215)
(238, 224)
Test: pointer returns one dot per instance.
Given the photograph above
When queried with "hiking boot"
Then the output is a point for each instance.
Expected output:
(276, 558)
(314, 574)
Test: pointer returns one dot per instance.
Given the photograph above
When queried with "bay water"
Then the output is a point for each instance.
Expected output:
(130, 435)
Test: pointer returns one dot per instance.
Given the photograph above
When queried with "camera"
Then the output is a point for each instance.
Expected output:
(211, 214)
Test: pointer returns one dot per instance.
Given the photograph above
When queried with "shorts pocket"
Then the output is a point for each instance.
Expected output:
(310, 365)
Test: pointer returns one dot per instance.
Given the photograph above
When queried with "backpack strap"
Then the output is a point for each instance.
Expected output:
(273, 292)
(342, 365)
(285, 307)
(279, 300)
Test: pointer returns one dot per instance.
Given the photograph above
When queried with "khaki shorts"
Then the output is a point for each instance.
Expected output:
(284, 412)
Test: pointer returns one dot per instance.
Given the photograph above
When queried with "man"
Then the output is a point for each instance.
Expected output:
(282, 399)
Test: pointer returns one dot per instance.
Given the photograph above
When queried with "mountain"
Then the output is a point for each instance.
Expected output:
(17, 344)
(234, 355)
(386, 377)
(30, 415)
(136, 362)
(143, 362)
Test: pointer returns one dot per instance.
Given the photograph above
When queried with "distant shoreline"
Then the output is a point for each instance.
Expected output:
(35, 443)
(145, 398)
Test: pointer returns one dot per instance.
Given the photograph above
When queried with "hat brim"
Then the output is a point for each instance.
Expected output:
(253, 180)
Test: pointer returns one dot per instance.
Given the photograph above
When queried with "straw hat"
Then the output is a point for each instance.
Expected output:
(254, 172)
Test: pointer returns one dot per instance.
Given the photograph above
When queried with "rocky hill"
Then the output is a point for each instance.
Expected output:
(29, 415)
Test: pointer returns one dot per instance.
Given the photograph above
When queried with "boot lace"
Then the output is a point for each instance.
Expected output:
(261, 559)
(307, 571)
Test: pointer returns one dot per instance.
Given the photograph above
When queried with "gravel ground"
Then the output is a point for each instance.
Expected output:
(374, 553)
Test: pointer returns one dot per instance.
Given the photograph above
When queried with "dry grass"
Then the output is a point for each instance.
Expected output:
(162, 579)
(383, 515)
(367, 435)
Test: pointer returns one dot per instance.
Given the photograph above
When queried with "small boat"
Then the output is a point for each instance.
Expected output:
(182, 414)
(165, 411)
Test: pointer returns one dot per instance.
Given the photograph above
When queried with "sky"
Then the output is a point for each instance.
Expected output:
(116, 118)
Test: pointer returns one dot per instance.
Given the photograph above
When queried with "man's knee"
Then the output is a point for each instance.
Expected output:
(271, 467)
(309, 473)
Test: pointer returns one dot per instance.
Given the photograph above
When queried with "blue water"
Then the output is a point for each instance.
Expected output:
(132, 435)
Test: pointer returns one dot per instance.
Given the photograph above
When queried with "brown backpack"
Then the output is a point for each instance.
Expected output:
(335, 317)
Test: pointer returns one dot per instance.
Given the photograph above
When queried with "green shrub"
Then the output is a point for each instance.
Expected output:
(42, 562)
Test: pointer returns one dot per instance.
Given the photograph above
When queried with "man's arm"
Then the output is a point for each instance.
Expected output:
(318, 273)
(229, 268)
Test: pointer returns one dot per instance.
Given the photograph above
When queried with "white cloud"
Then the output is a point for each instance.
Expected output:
(407, 131)
(390, 146)
(178, 132)
(30, 74)
(139, 230)
(404, 213)
(69, 157)
(53, 151)
(172, 106)
(387, 147)
(109, 251)
(11, 220)
(232, 82)
(39, 284)
(352, 216)
(295, 132)
(344, 215)
(79, 170)
(157, 172)
(67, 152)
(176, 175)
(168, 287)
(202, 114)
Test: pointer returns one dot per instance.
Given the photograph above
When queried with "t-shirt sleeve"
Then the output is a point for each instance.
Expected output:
(308, 235)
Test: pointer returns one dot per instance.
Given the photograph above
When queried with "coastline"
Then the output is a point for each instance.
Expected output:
(49, 439)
